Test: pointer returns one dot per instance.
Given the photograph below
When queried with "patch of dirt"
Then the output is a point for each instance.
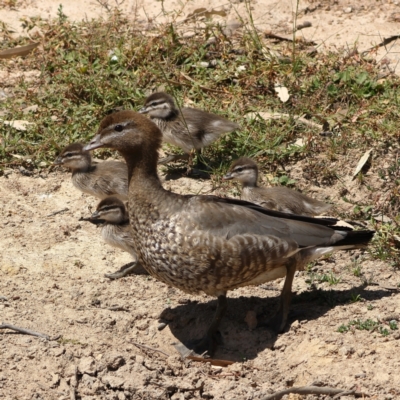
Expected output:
(51, 274)
(52, 269)
(335, 24)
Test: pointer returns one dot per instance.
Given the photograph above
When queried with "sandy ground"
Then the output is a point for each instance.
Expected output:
(334, 23)
(52, 274)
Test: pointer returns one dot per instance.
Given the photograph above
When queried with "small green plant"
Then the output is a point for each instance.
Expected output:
(331, 278)
(284, 180)
(64, 340)
(60, 14)
(368, 325)
(357, 271)
(355, 298)
(370, 307)
(393, 325)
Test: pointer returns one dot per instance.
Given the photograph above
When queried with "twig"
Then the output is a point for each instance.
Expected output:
(212, 361)
(116, 308)
(176, 388)
(383, 43)
(313, 390)
(74, 384)
(57, 212)
(149, 348)
(339, 395)
(23, 330)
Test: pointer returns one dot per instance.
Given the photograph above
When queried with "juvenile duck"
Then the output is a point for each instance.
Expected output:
(99, 180)
(187, 128)
(111, 214)
(245, 171)
(206, 243)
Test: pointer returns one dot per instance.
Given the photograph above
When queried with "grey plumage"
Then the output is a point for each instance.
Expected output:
(245, 170)
(101, 179)
(111, 214)
(206, 243)
(187, 128)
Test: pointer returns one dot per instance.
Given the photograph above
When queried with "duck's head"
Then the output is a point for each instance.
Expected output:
(74, 157)
(159, 105)
(111, 210)
(128, 132)
(244, 170)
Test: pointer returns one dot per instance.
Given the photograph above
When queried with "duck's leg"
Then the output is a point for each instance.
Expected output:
(208, 343)
(131, 268)
(173, 158)
(278, 321)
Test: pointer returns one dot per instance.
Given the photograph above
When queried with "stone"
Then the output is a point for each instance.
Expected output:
(114, 382)
(87, 365)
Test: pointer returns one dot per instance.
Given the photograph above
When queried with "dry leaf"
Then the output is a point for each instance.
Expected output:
(18, 124)
(18, 51)
(362, 162)
(282, 92)
(275, 115)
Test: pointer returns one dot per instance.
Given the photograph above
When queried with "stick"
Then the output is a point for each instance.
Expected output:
(383, 43)
(116, 308)
(313, 390)
(57, 212)
(23, 330)
(149, 348)
(74, 384)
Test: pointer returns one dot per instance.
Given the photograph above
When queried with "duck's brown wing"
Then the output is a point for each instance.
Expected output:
(229, 217)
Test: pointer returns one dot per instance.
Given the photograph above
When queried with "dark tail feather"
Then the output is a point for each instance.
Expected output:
(356, 238)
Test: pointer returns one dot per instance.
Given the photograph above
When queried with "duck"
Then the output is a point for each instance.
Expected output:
(99, 180)
(245, 170)
(187, 128)
(113, 217)
(210, 244)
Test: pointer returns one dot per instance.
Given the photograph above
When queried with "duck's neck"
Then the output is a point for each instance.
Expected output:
(142, 171)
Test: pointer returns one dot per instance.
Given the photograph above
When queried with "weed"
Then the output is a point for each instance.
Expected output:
(331, 278)
(64, 340)
(355, 298)
(368, 325)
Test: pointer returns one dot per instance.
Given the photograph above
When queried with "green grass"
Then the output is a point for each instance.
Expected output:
(89, 68)
(369, 325)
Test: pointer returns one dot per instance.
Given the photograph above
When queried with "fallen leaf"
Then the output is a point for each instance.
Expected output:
(18, 124)
(282, 92)
(275, 115)
(18, 51)
(29, 109)
(362, 162)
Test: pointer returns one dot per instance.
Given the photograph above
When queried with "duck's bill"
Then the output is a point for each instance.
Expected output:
(227, 177)
(95, 143)
(57, 161)
(143, 110)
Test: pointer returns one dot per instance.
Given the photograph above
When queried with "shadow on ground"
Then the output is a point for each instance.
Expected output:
(190, 321)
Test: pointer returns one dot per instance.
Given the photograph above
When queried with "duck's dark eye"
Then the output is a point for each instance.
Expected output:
(119, 128)
(240, 169)
(69, 155)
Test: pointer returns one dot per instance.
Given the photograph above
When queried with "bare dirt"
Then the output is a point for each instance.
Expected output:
(52, 281)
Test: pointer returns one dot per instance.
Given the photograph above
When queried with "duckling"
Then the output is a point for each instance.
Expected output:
(99, 180)
(187, 128)
(112, 215)
(245, 171)
(200, 243)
